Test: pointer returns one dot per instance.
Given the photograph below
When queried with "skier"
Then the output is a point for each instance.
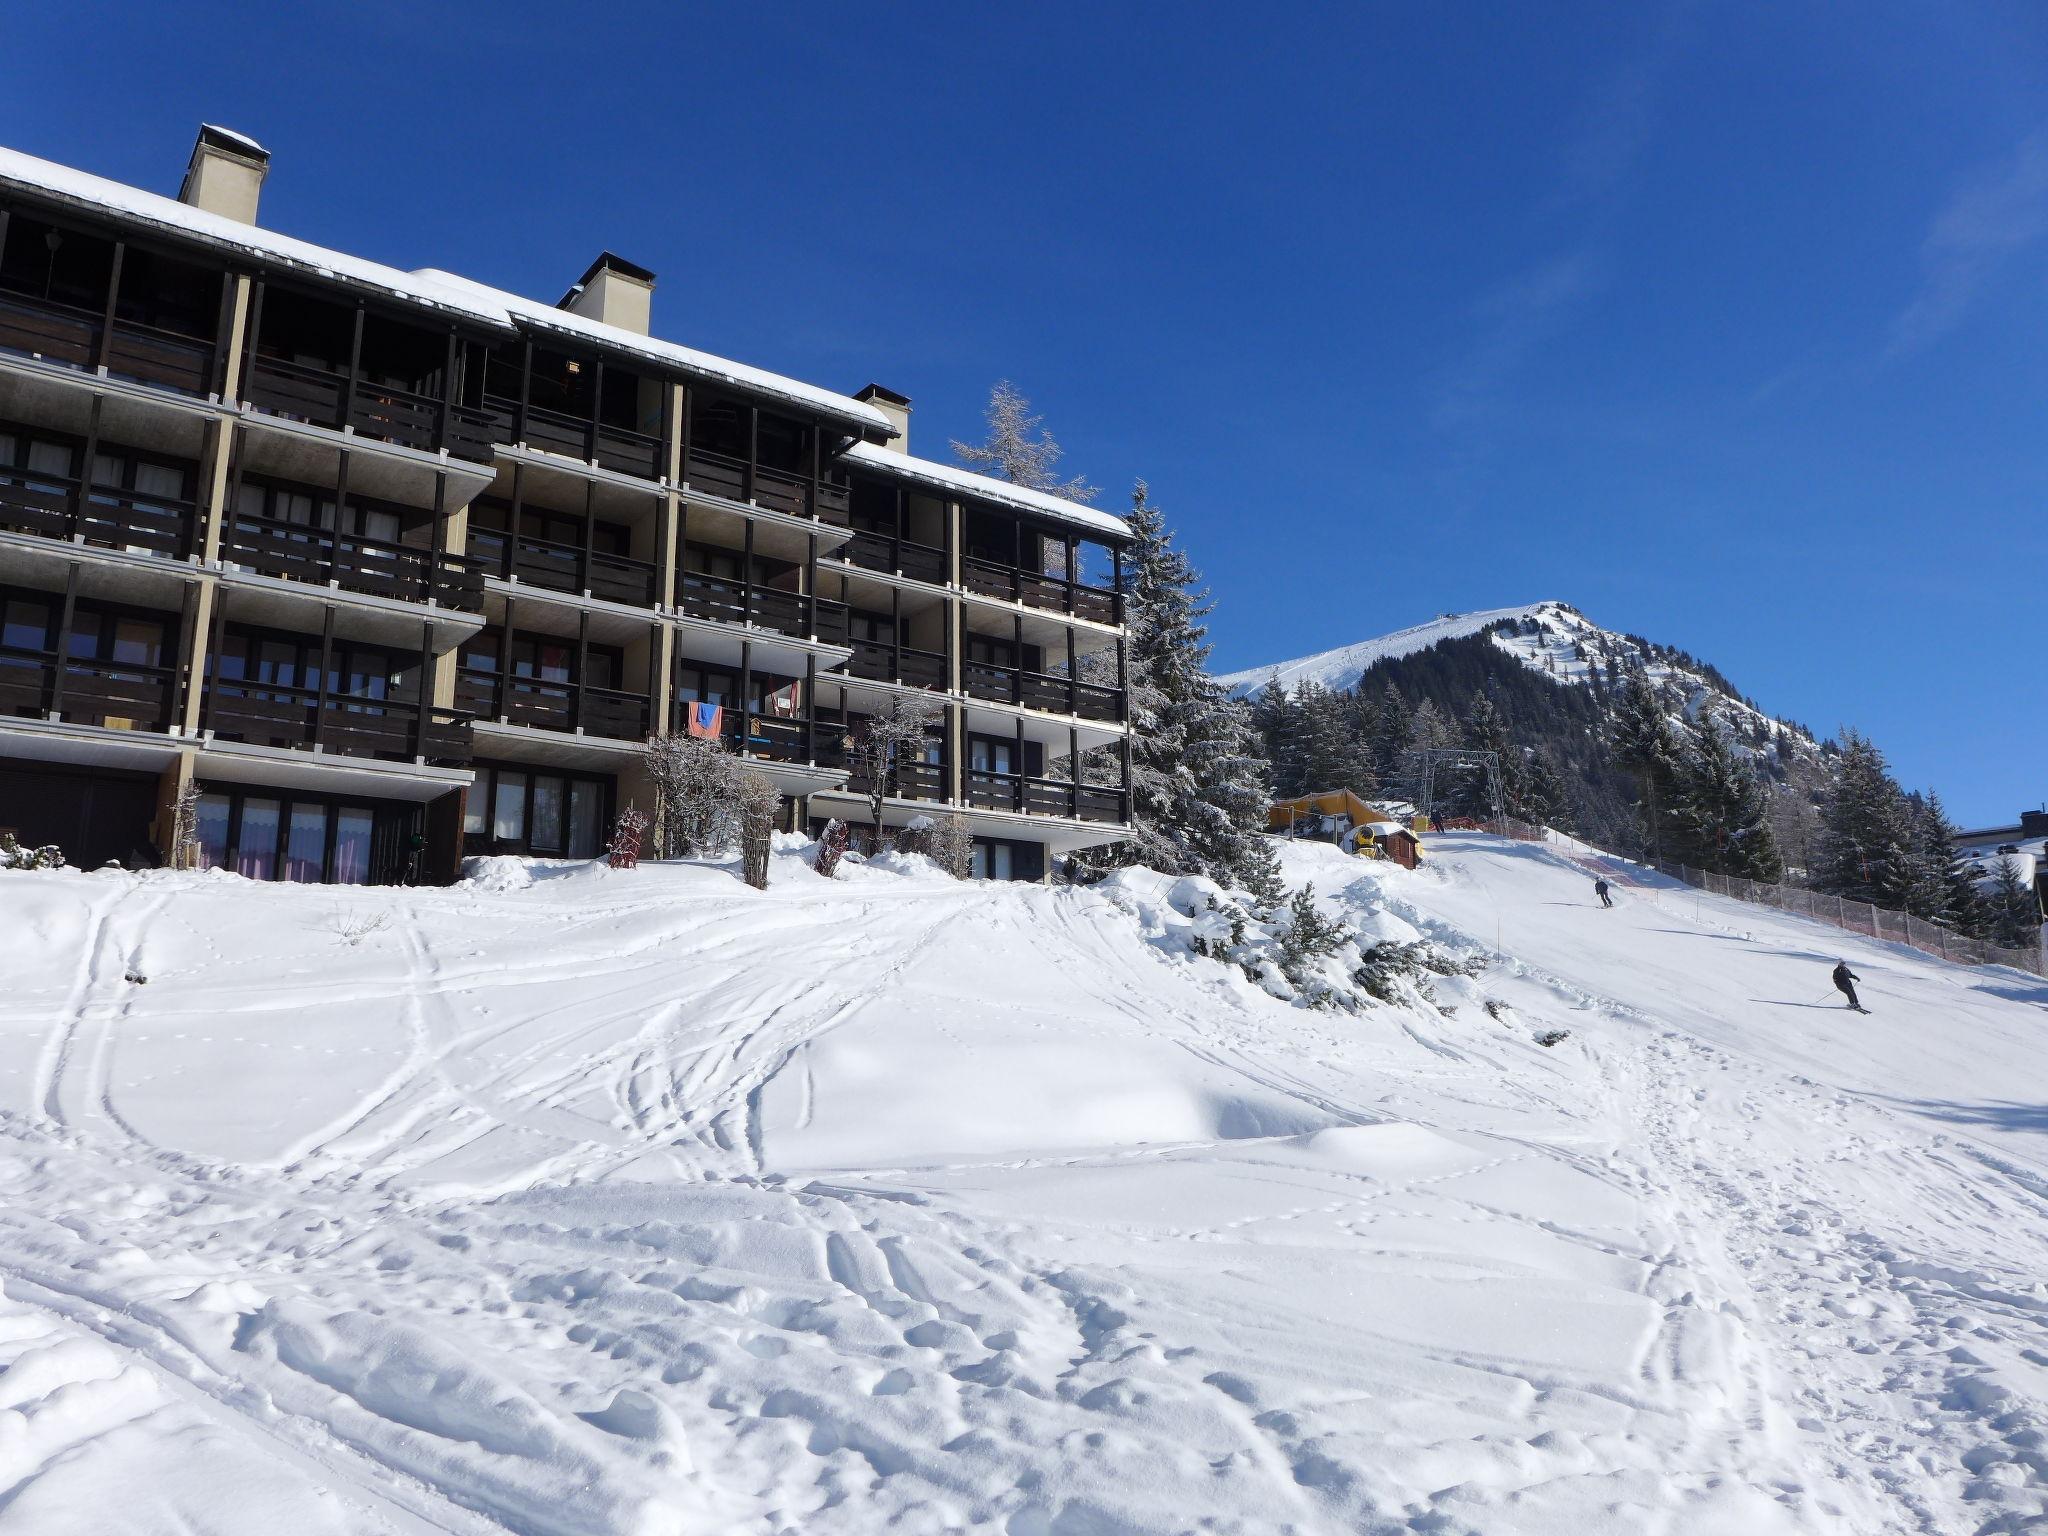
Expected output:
(1845, 980)
(1600, 890)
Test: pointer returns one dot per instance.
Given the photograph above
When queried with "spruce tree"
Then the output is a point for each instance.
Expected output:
(2012, 910)
(1865, 851)
(1944, 890)
(1392, 729)
(1273, 718)
(1643, 744)
(1723, 808)
(1198, 782)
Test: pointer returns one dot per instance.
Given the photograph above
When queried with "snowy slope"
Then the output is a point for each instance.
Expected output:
(573, 1201)
(1341, 669)
(1556, 641)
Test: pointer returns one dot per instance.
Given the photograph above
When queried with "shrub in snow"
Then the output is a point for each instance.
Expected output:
(831, 847)
(1551, 1037)
(14, 856)
(696, 785)
(759, 800)
(624, 848)
(880, 746)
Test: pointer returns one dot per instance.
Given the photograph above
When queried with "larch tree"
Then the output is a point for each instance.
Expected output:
(1019, 449)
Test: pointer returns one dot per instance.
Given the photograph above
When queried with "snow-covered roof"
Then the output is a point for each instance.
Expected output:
(963, 482)
(231, 136)
(439, 290)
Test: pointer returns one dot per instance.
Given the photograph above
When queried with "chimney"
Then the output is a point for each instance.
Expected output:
(226, 174)
(615, 292)
(894, 406)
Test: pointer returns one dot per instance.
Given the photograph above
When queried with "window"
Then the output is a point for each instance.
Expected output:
(138, 642)
(50, 459)
(546, 835)
(26, 626)
(305, 852)
(352, 828)
(988, 754)
(508, 816)
(992, 861)
(256, 846)
(586, 819)
(213, 830)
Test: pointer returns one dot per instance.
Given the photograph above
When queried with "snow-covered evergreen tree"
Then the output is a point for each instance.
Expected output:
(1018, 448)
(2012, 911)
(1723, 808)
(1866, 847)
(1643, 743)
(1943, 890)
(1273, 718)
(1199, 787)
(1392, 734)
(1545, 797)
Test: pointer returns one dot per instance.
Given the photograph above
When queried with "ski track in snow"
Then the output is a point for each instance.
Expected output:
(628, 1204)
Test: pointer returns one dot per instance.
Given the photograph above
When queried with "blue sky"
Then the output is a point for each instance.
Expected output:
(1722, 322)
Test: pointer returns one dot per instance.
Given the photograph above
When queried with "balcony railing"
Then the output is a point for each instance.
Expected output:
(50, 505)
(1040, 690)
(718, 474)
(880, 552)
(1036, 796)
(105, 693)
(738, 602)
(376, 566)
(322, 397)
(565, 567)
(897, 664)
(60, 333)
(1055, 594)
(498, 420)
(267, 714)
(552, 706)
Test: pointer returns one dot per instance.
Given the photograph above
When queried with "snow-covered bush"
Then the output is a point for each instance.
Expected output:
(831, 847)
(1301, 952)
(696, 784)
(14, 856)
(759, 800)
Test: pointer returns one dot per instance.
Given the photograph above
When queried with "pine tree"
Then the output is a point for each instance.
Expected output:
(1866, 848)
(1019, 450)
(1199, 781)
(1391, 736)
(1486, 730)
(1327, 754)
(2012, 910)
(1642, 742)
(1273, 718)
(1944, 891)
(1723, 808)
(1546, 800)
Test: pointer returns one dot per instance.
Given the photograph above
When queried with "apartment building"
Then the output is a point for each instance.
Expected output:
(397, 567)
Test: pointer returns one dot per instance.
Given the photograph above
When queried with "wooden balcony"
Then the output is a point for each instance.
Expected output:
(1034, 796)
(738, 602)
(500, 420)
(897, 664)
(565, 568)
(377, 412)
(901, 557)
(113, 694)
(401, 571)
(1040, 690)
(53, 507)
(550, 706)
(718, 474)
(1054, 594)
(77, 338)
(266, 714)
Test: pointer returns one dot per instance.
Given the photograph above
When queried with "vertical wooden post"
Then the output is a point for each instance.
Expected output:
(82, 499)
(811, 590)
(896, 634)
(525, 395)
(340, 513)
(811, 708)
(355, 369)
(596, 409)
(1073, 675)
(255, 343)
(582, 668)
(505, 642)
(1074, 771)
(753, 453)
(746, 696)
(1017, 770)
(326, 671)
(589, 537)
(107, 315)
(65, 618)
(423, 693)
(447, 393)
(220, 623)
(747, 573)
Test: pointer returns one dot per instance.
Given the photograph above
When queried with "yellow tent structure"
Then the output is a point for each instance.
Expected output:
(1341, 817)
(1331, 802)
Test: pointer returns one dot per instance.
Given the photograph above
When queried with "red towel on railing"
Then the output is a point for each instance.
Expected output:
(704, 721)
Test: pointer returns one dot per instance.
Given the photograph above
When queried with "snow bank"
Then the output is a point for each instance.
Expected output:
(571, 1200)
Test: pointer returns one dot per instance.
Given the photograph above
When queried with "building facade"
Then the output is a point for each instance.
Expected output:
(396, 567)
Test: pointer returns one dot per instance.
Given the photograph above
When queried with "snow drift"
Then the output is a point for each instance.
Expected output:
(581, 1201)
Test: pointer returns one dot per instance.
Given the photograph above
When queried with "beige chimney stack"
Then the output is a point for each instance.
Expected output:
(615, 292)
(226, 174)
(894, 406)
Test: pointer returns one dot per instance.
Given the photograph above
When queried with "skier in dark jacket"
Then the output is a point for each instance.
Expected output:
(1600, 890)
(1845, 980)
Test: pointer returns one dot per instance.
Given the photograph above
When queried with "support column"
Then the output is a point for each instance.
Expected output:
(505, 639)
(202, 598)
(423, 706)
(326, 670)
(221, 479)
(112, 306)
(661, 656)
(582, 667)
(810, 709)
(746, 694)
(219, 600)
(62, 665)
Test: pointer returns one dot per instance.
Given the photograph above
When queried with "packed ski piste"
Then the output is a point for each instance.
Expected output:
(571, 1199)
